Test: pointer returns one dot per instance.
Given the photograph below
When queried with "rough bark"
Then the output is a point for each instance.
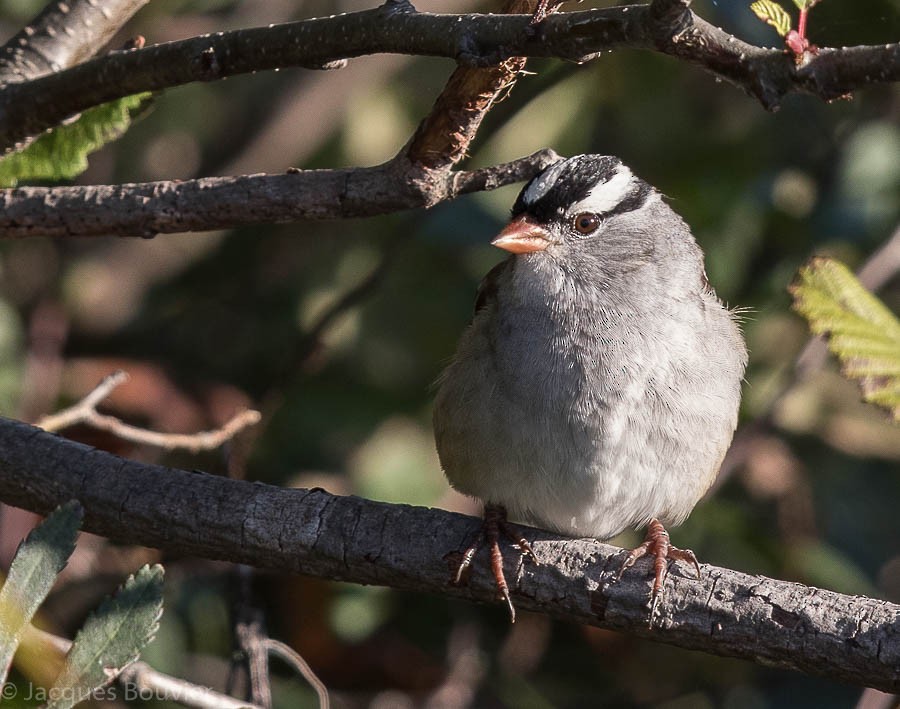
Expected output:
(667, 26)
(725, 612)
(164, 207)
(62, 35)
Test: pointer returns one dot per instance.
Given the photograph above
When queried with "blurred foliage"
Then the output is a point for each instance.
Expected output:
(208, 322)
(61, 153)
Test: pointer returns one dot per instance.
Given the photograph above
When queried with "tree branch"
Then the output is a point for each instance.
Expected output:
(666, 26)
(788, 625)
(166, 207)
(443, 138)
(62, 35)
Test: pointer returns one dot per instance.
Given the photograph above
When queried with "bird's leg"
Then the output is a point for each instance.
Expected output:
(656, 544)
(495, 523)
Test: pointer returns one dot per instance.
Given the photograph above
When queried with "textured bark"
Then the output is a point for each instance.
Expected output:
(666, 26)
(443, 138)
(218, 202)
(62, 35)
(776, 623)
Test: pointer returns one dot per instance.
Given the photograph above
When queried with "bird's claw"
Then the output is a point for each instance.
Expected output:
(495, 523)
(656, 544)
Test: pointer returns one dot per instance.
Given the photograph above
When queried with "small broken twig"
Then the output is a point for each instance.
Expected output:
(85, 411)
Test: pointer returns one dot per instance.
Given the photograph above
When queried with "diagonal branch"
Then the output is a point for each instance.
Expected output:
(62, 35)
(666, 26)
(219, 202)
(443, 138)
(778, 623)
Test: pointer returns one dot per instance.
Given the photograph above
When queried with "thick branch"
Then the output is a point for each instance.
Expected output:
(665, 26)
(217, 202)
(62, 35)
(789, 625)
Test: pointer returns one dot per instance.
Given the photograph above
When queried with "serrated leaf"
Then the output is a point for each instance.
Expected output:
(62, 153)
(773, 14)
(38, 561)
(861, 331)
(111, 638)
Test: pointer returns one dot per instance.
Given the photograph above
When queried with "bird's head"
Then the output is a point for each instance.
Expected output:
(589, 208)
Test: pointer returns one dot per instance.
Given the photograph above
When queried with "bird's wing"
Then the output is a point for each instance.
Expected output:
(487, 289)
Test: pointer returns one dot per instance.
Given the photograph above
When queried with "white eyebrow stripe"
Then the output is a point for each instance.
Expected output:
(606, 195)
(542, 184)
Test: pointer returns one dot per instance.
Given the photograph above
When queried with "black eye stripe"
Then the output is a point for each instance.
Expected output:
(635, 199)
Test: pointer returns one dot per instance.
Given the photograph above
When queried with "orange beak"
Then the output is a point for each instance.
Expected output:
(522, 236)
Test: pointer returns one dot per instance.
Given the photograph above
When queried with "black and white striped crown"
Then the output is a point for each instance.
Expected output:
(598, 184)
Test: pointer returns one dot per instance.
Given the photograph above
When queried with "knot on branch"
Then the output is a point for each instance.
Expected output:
(208, 65)
(668, 19)
(397, 7)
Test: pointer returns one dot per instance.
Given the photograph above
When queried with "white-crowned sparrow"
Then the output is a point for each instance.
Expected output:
(597, 387)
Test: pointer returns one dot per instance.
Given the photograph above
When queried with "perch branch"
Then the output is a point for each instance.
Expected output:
(667, 26)
(85, 411)
(778, 623)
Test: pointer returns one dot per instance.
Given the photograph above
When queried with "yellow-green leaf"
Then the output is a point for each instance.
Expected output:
(62, 153)
(38, 561)
(861, 331)
(773, 14)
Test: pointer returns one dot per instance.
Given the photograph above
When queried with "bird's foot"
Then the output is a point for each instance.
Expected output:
(656, 544)
(495, 523)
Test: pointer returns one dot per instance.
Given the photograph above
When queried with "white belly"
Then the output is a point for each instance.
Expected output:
(542, 438)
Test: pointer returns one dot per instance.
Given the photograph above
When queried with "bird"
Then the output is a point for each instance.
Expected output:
(597, 386)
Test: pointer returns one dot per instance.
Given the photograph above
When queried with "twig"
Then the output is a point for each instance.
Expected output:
(848, 638)
(663, 26)
(248, 637)
(149, 681)
(291, 657)
(85, 411)
(219, 202)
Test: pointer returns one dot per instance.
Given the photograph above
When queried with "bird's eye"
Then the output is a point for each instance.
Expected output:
(586, 223)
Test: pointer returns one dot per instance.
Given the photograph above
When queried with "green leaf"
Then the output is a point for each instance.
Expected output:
(38, 561)
(861, 331)
(111, 638)
(773, 14)
(62, 153)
